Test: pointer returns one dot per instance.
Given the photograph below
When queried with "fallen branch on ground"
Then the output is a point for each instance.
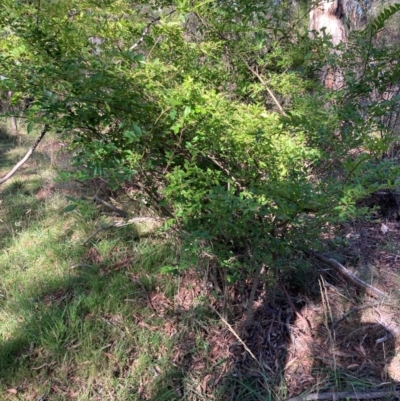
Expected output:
(121, 212)
(232, 330)
(138, 220)
(347, 395)
(339, 268)
(354, 310)
(26, 157)
(122, 224)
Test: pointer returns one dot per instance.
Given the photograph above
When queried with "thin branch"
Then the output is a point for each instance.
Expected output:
(354, 310)
(339, 268)
(232, 330)
(347, 395)
(217, 163)
(147, 30)
(101, 228)
(121, 212)
(261, 79)
(26, 157)
(123, 224)
(256, 280)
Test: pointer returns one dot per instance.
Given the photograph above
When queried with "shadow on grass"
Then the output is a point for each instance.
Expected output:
(84, 327)
(113, 328)
(110, 328)
(313, 339)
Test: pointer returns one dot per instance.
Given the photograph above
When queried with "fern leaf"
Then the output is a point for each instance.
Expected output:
(380, 21)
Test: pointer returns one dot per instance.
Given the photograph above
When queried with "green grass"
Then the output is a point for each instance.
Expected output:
(95, 321)
(76, 328)
(74, 324)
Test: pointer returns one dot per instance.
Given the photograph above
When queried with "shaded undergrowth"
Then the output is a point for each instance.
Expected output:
(101, 321)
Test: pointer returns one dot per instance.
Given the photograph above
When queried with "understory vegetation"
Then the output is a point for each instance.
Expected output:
(202, 216)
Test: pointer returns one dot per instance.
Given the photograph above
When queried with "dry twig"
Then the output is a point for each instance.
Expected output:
(339, 268)
(147, 30)
(232, 330)
(26, 157)
(260, 78)
(121, 212)
(123, 224)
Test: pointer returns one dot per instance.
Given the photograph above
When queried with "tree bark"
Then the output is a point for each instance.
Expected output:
(328, 16)
(14, 124)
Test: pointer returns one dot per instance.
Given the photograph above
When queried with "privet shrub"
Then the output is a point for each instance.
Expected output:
(216, 109)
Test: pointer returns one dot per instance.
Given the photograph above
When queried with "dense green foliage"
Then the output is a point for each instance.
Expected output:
(215, 109)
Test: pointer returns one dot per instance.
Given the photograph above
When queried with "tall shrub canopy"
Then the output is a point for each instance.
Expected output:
(216, 108)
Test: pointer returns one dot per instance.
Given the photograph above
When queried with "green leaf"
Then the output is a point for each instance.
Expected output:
(139, 58)
(29, 128)
(170, 270)
(70, 208)
(175, 128)
(70, 198)
(129, 135)
(137, 129)
(172, 114)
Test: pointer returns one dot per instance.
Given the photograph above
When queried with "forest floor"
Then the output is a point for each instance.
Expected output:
(91, 314)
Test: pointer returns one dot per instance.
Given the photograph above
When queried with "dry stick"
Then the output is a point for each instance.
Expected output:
(26, 157)
(346, 395)
(273, 97)
(122, 224)
(354, 310)
(256, 280)
(231, 329)
(217, 163)
(96, 232)
(339, 268)
(121, 212)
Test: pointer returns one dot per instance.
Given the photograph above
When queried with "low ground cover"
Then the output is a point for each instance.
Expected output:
(93, 317)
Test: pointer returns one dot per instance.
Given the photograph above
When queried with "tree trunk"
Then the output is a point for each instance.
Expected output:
(14, 125)
(328, 15)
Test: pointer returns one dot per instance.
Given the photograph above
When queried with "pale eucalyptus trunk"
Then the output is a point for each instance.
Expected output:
(13, 118)
(328, 16)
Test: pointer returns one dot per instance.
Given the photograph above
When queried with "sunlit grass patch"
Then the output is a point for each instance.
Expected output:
(70, 314)
(92, 317)
(85, 319)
